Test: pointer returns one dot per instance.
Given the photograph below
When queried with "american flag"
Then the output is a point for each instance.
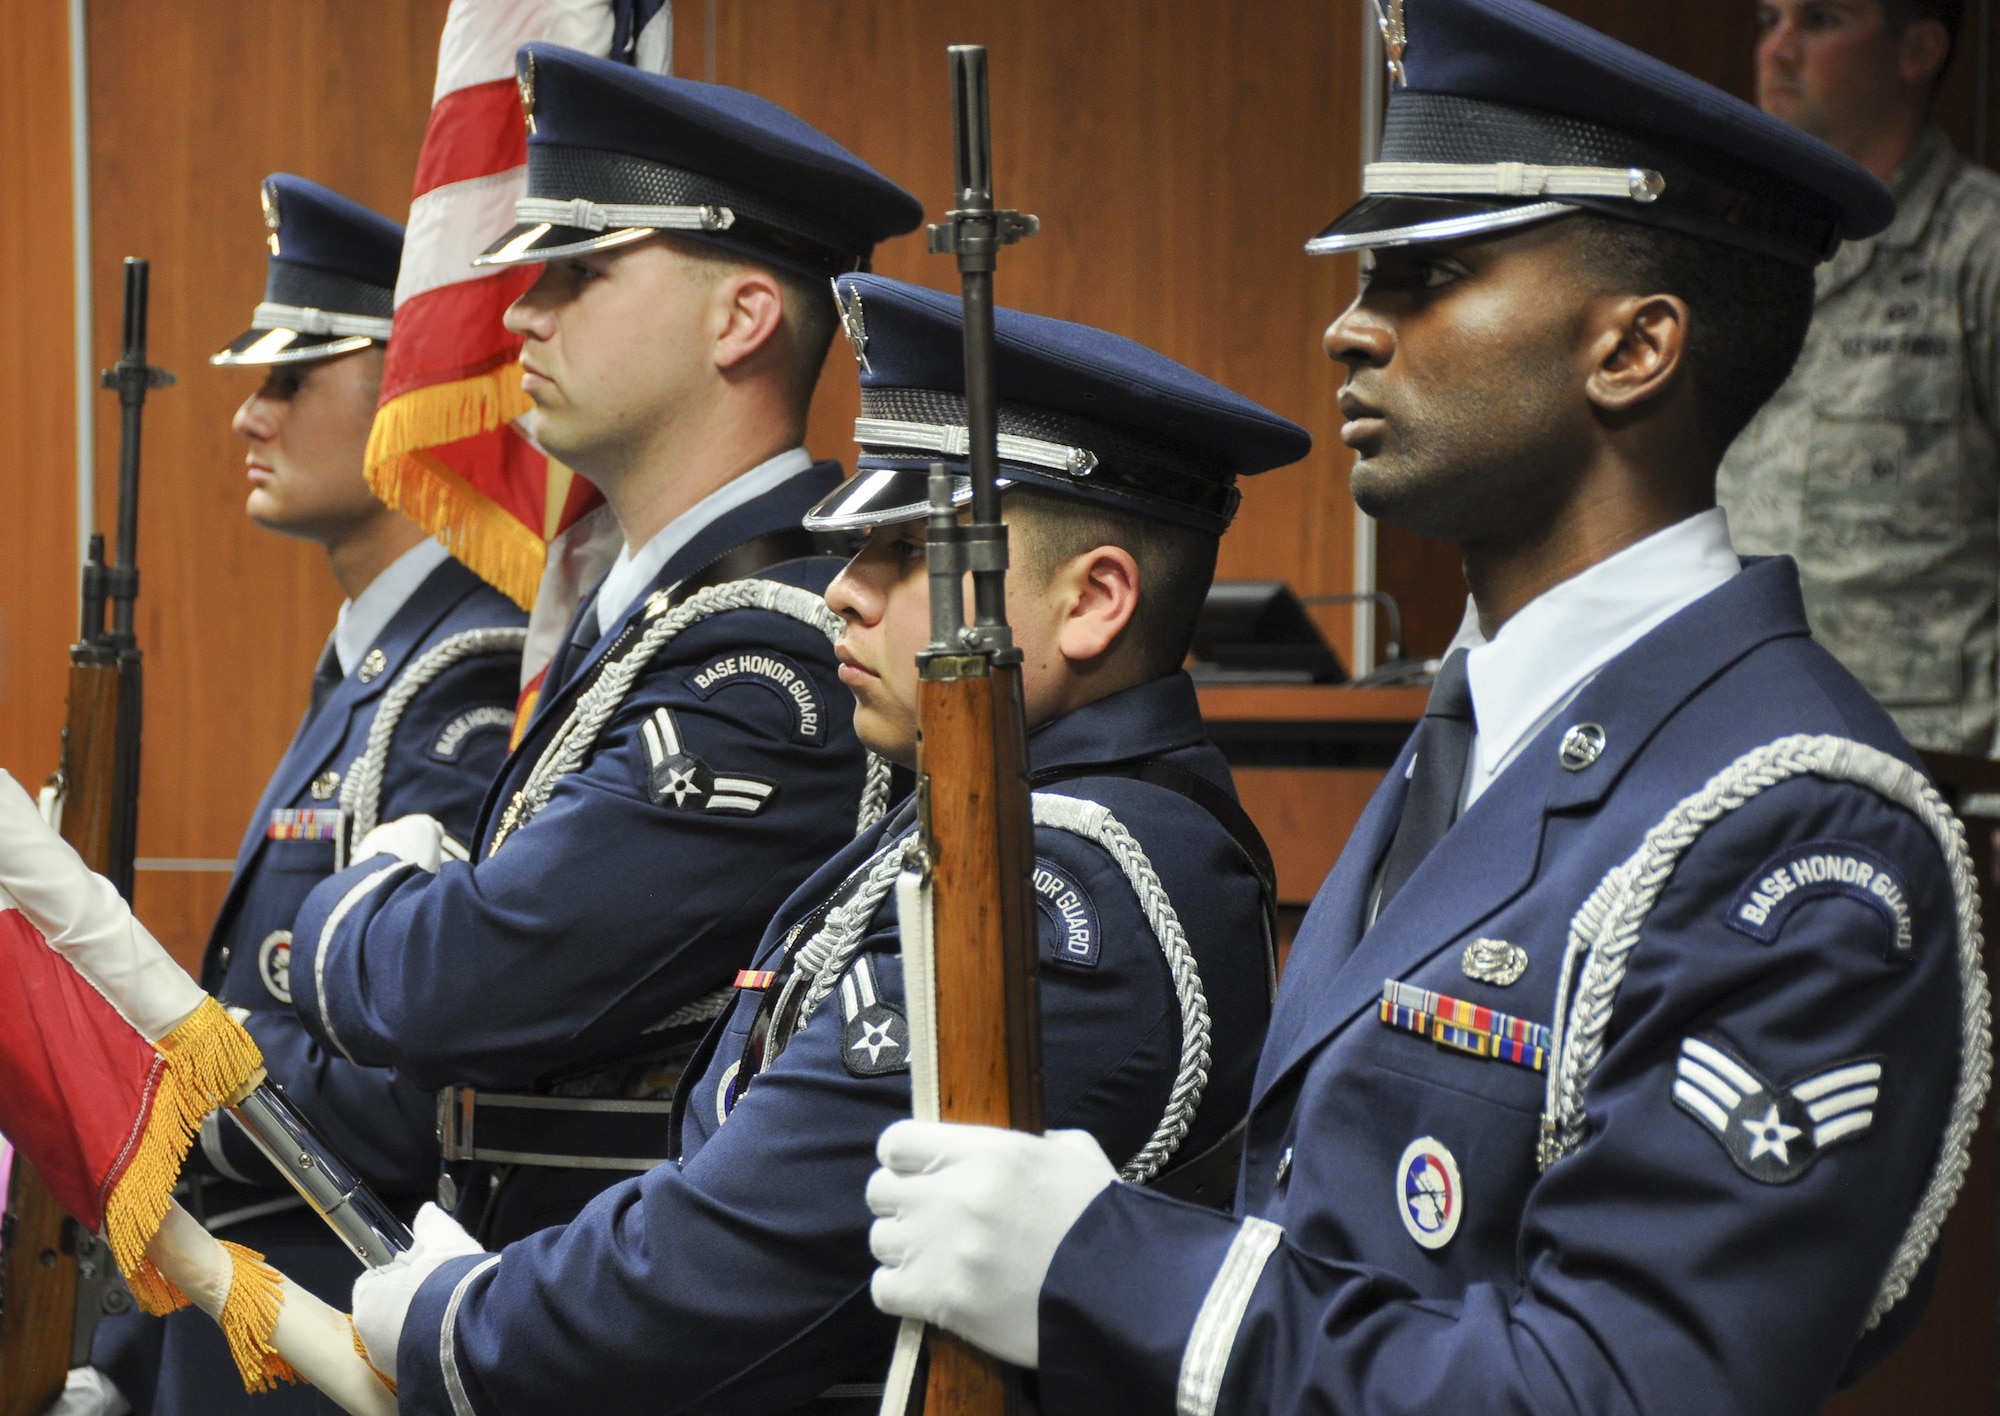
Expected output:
(448, 447)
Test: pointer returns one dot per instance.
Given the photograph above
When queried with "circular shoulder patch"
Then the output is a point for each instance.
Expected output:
(1429, 1195)
(274, 964)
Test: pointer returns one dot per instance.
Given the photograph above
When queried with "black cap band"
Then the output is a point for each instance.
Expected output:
(309, 287)
(561, 172)
(1706, 193)
(1141, 477)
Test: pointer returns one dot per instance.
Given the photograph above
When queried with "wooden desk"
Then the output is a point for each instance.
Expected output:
(1306, 758)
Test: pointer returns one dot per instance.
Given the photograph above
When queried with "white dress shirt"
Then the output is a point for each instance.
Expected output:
(363, 618)
(1554, 645)
(633, 572)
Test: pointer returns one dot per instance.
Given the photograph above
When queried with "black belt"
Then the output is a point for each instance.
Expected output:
(564, 1132)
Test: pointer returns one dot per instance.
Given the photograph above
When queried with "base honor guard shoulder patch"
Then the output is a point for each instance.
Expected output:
(874, 1036)
(494, 717)
(1071, 914)
(777, 674)
(676, 777)
(1814, 870)
(1775, 1133)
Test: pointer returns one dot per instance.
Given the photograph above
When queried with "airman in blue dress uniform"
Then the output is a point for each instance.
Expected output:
(736, 1277)
(691, 758)
(1626, 1059)
(411, 705)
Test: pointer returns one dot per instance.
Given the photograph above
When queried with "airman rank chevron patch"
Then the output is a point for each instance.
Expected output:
(676, 777)
(1468, 1027)
(1773, 1133)
(875, 1037)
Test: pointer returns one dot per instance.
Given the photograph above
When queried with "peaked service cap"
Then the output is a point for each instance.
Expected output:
(1508, 113)
(1083, 413)
(330, 280)
(616, 153)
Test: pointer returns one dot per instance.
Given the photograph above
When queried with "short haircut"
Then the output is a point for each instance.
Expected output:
(809, 310)
(1899, 15)
(1747, 313)
(1176, 564)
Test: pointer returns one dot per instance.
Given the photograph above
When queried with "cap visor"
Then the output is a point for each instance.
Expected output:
(1402, 221)
(539, 241)
(287, 346)
(881, 496)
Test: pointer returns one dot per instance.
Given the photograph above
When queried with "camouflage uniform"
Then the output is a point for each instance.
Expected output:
(1877, 465)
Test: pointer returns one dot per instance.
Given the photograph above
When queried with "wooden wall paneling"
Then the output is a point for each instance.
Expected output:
(190, 107)
(1179, 155)
(38, 568)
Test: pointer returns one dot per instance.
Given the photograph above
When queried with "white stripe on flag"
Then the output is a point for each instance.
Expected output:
(452, 224)
(480, 36)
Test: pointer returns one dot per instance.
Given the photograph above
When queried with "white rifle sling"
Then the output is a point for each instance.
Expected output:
(1605, 930)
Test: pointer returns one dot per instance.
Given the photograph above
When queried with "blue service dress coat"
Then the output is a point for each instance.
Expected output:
(1395, 1248)
(736, 1279)
(448, 742)
(629, 896)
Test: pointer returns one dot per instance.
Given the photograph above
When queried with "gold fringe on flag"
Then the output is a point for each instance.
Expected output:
(361, 1351)
(487, 538)
(249, 1319)
(206, 1061)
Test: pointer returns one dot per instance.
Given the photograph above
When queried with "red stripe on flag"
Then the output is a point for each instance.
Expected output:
(499, 465)
(454, 332)
(75, 1078)
(473, 132)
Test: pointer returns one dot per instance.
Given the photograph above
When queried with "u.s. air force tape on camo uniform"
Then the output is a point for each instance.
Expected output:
(1875, 465)
(1602, 936)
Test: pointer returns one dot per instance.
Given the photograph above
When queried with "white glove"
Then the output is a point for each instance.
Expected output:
(382, 1296)
(418, 839)
(83, 919)
(970, 1220)
(88, 1392)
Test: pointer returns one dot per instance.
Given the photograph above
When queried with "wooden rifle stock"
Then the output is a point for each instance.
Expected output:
(979, 844)
(56, 1277)
(977, 830)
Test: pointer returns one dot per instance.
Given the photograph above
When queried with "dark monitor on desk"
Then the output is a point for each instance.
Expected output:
(1257, 631)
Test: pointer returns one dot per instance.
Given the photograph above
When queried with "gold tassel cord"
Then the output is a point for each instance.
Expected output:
(249, 1319)
(204, 1062)
(361, 1351)
(493, 543)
